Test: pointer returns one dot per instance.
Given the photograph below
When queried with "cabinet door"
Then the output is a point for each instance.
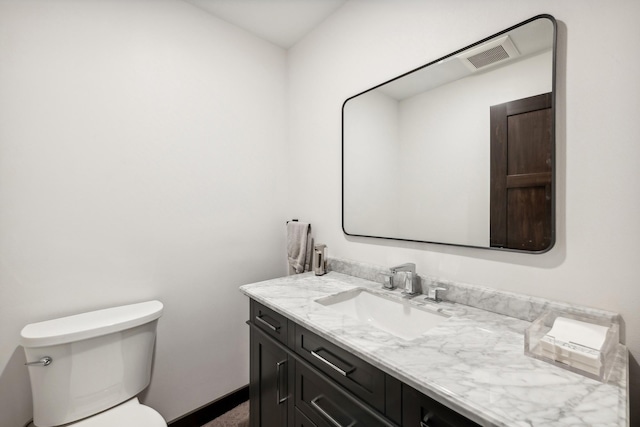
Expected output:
(419, 410)
(270, 373)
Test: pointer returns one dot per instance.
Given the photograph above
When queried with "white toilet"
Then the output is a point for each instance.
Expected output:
(86, 369)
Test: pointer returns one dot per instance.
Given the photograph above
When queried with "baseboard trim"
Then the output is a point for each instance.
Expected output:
(212, 410)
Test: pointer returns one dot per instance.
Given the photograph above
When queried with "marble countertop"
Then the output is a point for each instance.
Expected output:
(474, 362)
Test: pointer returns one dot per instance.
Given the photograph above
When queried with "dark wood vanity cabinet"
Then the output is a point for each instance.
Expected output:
(299, 379)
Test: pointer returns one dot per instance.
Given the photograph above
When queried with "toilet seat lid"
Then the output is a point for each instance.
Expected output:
(128, 414)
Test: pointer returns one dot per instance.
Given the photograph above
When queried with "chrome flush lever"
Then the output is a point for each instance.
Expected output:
(45, 361)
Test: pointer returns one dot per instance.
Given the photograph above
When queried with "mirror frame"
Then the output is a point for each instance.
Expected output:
(553, 139)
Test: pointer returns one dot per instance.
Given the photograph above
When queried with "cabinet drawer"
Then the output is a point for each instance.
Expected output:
(326, 405)
(302, 420)
(421, 410)
(272, 323)
(357, 376)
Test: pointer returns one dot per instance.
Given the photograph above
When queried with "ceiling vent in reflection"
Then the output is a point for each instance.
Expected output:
(496, 51)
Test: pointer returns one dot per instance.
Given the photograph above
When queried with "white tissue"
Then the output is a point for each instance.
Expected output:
(575, 343)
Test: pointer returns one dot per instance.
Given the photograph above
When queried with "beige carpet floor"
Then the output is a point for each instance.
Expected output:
(237, 417)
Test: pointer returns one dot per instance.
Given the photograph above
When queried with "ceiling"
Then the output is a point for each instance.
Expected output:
(282, 22)
(529, 39)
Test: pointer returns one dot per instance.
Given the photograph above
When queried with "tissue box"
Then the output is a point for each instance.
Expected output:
(576, 343)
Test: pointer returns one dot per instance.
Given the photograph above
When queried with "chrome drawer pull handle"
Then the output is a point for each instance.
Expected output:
(267, 324)
(325, 414)
(45, 361)
(425, 420)
(340, 371)
(280, 400)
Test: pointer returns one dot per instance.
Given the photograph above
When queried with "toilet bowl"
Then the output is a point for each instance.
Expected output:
(128, 414)
(86, 370)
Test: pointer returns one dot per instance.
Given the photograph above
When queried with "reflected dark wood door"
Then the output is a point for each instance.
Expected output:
(521, 174)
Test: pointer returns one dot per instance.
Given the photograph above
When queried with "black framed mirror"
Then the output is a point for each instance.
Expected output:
(460, 151)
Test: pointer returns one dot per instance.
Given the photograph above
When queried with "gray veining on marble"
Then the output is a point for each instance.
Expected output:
(473, 362)
(508, 303)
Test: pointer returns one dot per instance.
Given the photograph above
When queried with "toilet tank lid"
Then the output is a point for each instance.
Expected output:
(89, 325)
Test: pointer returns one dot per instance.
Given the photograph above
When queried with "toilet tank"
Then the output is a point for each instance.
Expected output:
(98, 360)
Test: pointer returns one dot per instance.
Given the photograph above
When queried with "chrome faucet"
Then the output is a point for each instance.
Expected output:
(409, 270)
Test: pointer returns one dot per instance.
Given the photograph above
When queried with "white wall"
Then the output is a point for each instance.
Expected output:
(142, 150)
(371, 178)
(595, 261)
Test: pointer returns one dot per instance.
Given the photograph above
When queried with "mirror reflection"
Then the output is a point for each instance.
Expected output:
(460, 151)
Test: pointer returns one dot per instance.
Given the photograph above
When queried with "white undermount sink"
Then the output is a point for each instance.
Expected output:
(398, 317)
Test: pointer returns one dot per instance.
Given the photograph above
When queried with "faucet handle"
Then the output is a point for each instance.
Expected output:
(388, 280)
(434, 293)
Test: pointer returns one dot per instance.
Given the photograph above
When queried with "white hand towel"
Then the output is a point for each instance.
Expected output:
(298, 240)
